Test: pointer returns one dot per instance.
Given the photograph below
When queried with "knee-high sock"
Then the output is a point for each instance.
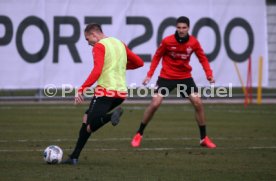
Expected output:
(202, 131)
(83, 137)
(141, 128)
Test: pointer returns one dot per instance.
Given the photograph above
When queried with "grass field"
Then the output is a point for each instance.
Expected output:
(170, 151)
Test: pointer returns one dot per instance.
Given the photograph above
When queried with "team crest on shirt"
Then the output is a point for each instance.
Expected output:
(189, 50)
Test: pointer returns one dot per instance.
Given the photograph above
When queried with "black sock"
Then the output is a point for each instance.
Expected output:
(141, 128)
(202, 130)
(83, 137)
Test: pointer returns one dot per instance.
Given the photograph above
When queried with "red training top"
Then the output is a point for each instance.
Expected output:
(176, 58)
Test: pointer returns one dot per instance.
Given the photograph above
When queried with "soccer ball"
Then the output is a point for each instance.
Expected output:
(53, 154)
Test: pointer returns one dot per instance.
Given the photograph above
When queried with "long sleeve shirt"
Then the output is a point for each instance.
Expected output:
(176, 58)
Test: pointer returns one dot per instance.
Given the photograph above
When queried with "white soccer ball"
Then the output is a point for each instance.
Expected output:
(53, 154)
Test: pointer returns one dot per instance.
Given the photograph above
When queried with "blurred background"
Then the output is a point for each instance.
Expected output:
(42, 45)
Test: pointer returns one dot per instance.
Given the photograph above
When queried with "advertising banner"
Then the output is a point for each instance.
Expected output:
(42, 41)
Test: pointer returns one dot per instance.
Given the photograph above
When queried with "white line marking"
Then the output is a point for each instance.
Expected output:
(213, 109)
(147, 149)
(128, 139)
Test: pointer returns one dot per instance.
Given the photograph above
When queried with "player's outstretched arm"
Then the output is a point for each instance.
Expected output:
(211, 80)
(146, 80)
(133, 60)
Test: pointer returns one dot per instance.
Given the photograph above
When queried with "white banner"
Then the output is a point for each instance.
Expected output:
(42, 42)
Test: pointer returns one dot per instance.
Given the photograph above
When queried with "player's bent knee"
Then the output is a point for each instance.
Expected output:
(88, 128)
(97, 123)
(196, 101)
(84, 119)
(155, 105)
(156, 102)
(198, 104)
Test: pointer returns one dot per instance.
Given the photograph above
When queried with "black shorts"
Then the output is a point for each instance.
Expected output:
(100, 106)
(184, 86)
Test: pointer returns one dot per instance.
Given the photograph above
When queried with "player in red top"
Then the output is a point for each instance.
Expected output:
(175, 51)
(105, 105)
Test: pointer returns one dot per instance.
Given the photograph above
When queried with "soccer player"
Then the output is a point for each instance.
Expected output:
(175, 51)
(111, 59)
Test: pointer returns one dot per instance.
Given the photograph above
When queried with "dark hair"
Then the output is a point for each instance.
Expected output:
(93, 27)
(183, 19)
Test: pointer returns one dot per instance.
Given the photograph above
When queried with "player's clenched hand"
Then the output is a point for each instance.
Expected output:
(146, 80)
(79, 98)
(211, 80)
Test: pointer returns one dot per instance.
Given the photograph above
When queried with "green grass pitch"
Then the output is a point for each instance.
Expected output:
(170, 151)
